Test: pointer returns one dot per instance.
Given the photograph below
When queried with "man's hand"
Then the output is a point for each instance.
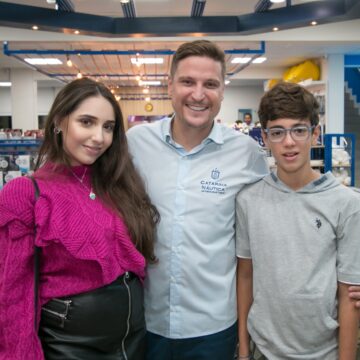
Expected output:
(354, 293)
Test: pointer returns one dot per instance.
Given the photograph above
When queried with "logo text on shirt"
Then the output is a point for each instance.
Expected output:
(211, 186)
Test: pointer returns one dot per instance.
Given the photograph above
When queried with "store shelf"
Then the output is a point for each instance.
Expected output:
(17, 158)
(340, 149)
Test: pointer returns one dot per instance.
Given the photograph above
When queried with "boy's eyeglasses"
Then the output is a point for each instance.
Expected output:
(297, 133)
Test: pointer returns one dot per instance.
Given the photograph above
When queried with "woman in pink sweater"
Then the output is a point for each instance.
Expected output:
(94, 228)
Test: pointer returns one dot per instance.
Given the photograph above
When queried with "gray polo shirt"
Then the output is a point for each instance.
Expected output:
(301, 244)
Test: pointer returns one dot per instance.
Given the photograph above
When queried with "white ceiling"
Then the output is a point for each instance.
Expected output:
(282, 48)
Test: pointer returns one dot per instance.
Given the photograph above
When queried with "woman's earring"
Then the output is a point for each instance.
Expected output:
(57, 131)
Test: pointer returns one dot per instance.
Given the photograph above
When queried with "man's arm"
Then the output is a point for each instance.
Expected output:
(245, 299)
(348, 324)
(354, 294)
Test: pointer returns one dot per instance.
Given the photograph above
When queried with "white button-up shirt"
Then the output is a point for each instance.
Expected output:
(191, 291)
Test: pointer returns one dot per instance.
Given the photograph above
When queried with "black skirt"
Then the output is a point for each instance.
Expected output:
(107, 323)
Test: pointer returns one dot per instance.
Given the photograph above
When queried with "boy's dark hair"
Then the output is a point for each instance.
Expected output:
(203, 48)
(288, 100)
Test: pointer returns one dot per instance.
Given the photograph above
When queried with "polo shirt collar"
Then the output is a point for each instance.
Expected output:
(215, 135)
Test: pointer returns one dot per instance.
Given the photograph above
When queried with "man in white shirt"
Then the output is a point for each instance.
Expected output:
(193, 168)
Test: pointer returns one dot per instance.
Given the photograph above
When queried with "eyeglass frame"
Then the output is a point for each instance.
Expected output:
(289, 130)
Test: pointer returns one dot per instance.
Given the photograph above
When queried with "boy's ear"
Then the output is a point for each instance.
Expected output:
(264, 137)
(315, 135)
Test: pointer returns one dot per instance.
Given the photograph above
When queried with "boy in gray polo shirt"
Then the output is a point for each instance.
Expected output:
(297, 242)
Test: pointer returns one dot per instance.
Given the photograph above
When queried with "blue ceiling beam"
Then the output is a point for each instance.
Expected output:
(23, 16)
(10, 52)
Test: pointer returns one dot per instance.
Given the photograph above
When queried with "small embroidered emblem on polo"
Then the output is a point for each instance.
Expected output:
(215, 174)
(318, 223)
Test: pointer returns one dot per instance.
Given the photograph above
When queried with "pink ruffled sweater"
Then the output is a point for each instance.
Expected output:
(84, 245)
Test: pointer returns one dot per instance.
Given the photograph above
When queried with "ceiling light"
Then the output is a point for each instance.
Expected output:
(277, 1)
(259, 60)
(275, 29)
(147, 99)
(149, 82)
(69, 62)
(197, 9)
(242, 60)
(117, 97)
(147, 61)
(5, 83)
(51, 1)
(227, 82)
(76, 32)
(35, 27)
(43, 61)
(145, 91)
(79, 75)
(137, 77)
(313, 23)
(128, 8)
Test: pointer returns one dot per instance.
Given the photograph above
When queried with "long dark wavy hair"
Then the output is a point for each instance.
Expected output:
(114, 177)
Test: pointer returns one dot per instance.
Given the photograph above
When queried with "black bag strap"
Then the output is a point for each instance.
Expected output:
(36, 257)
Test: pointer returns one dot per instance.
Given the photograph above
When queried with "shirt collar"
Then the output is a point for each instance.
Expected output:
(215, 135)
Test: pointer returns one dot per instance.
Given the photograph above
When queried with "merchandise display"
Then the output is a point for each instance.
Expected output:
(340, 157)
(17, 158)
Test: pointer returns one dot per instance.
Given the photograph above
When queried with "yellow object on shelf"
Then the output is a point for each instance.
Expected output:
(306, 70)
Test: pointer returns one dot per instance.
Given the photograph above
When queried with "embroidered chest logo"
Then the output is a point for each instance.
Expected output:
(215, 174)
(318, 223)
(212, 185)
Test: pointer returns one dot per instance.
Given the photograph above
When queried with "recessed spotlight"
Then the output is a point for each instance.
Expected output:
(76, 32)
(313, 23)
(35, 27)
(275, 28)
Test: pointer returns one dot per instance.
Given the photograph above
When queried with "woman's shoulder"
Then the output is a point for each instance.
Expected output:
(17, 191)
(17, 200)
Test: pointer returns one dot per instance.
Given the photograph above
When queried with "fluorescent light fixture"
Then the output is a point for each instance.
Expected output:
(277, 1)
(5, 83)
(240, 60)
(124, 1)
(149, 82)
(141, 61)
(259, 60)
(43, 61)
